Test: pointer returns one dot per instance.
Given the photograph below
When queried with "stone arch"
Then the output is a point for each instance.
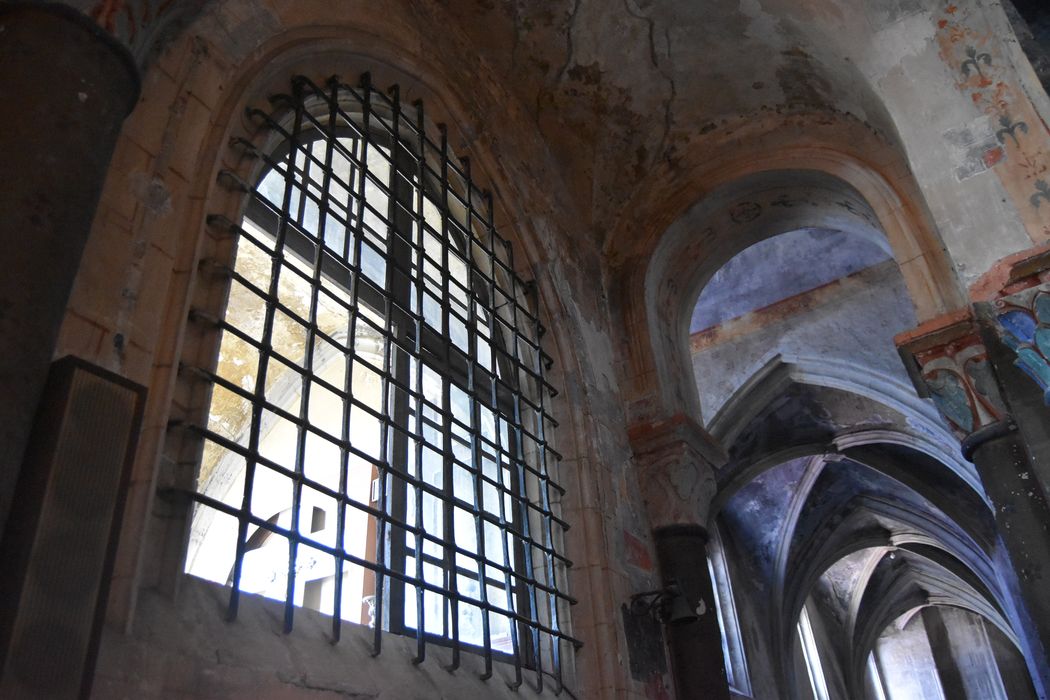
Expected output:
(944, 524)
(795, 410)
(913, 434)
(650, 285)
(774, 378)
(960, 562)
(320, 40)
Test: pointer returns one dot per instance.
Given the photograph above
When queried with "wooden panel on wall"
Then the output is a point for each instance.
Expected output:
(61, 537)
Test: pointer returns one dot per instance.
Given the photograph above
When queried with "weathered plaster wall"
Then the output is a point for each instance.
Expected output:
(185, 649)
(977, 178)
(851, 320)
(779, 268)
(607, 79)
(598, 125)
(661, 78)
(140, 275)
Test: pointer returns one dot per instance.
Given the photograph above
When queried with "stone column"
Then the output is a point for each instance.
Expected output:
(963, 654)
(67, 87)
(907, 663)
(1011, 666)
(1017, 317)
(956, 362)
(674, 459)
(1012, 302)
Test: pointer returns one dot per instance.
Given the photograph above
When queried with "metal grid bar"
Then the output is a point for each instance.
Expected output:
(348, 445)
(348, 387)
(417, 377)
(350, 268)
(441, 399)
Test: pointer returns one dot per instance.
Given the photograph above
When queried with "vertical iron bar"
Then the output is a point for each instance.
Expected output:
(380, 581)
(519, 463)
(506, 529)
(260, 380)
(394, 409)
(304, 397)
(451, 558)
(418, 387)
(398, 297)
(348, 374)
(524, 433)
(545, 485)
(315, 291)
(308, 373)
(353, 247)
(544, 482)
(475, 460)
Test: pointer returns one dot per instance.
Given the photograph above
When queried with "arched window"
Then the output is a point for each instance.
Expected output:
(377, 443)
(807, 640)
(733, 650)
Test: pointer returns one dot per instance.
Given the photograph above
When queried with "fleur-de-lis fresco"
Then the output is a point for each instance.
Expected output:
(1009, 128)
(1042, 192)
(974, 60)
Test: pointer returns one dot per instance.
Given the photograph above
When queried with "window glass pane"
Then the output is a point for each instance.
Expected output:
(373, 265)
(378, 450)
(271, 187)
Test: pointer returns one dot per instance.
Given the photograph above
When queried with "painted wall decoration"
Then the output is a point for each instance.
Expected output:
(948, 390)
(142, 25)
(1010, 128)
(961, 385)
(1024, 325)
(973, 61)
(1019, 152)
(1042, 191)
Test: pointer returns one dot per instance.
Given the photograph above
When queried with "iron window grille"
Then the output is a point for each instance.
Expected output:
(377, 443)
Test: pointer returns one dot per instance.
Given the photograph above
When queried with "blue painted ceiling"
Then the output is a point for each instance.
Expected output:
(779, 268)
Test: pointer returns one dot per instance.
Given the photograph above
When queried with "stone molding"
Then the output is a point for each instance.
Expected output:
(949, 365)
(1012, 272)
(1022, 322)
(947, 359)
(1019, 310)
(676, 459)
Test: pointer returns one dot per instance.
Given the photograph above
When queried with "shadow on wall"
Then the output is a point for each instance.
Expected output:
(825, 294)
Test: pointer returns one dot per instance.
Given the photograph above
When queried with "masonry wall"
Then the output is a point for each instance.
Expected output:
(184, 648)
(850, 321)
(580, 215)
(140, 276)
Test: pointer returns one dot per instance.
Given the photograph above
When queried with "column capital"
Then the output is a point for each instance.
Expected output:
(676, 459)
(948, 363)
(1020, 317)
(946, 356)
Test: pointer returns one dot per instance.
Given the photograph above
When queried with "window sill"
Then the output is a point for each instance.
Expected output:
(185, 648)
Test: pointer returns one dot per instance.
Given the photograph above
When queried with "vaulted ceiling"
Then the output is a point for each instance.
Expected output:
(640, 81)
